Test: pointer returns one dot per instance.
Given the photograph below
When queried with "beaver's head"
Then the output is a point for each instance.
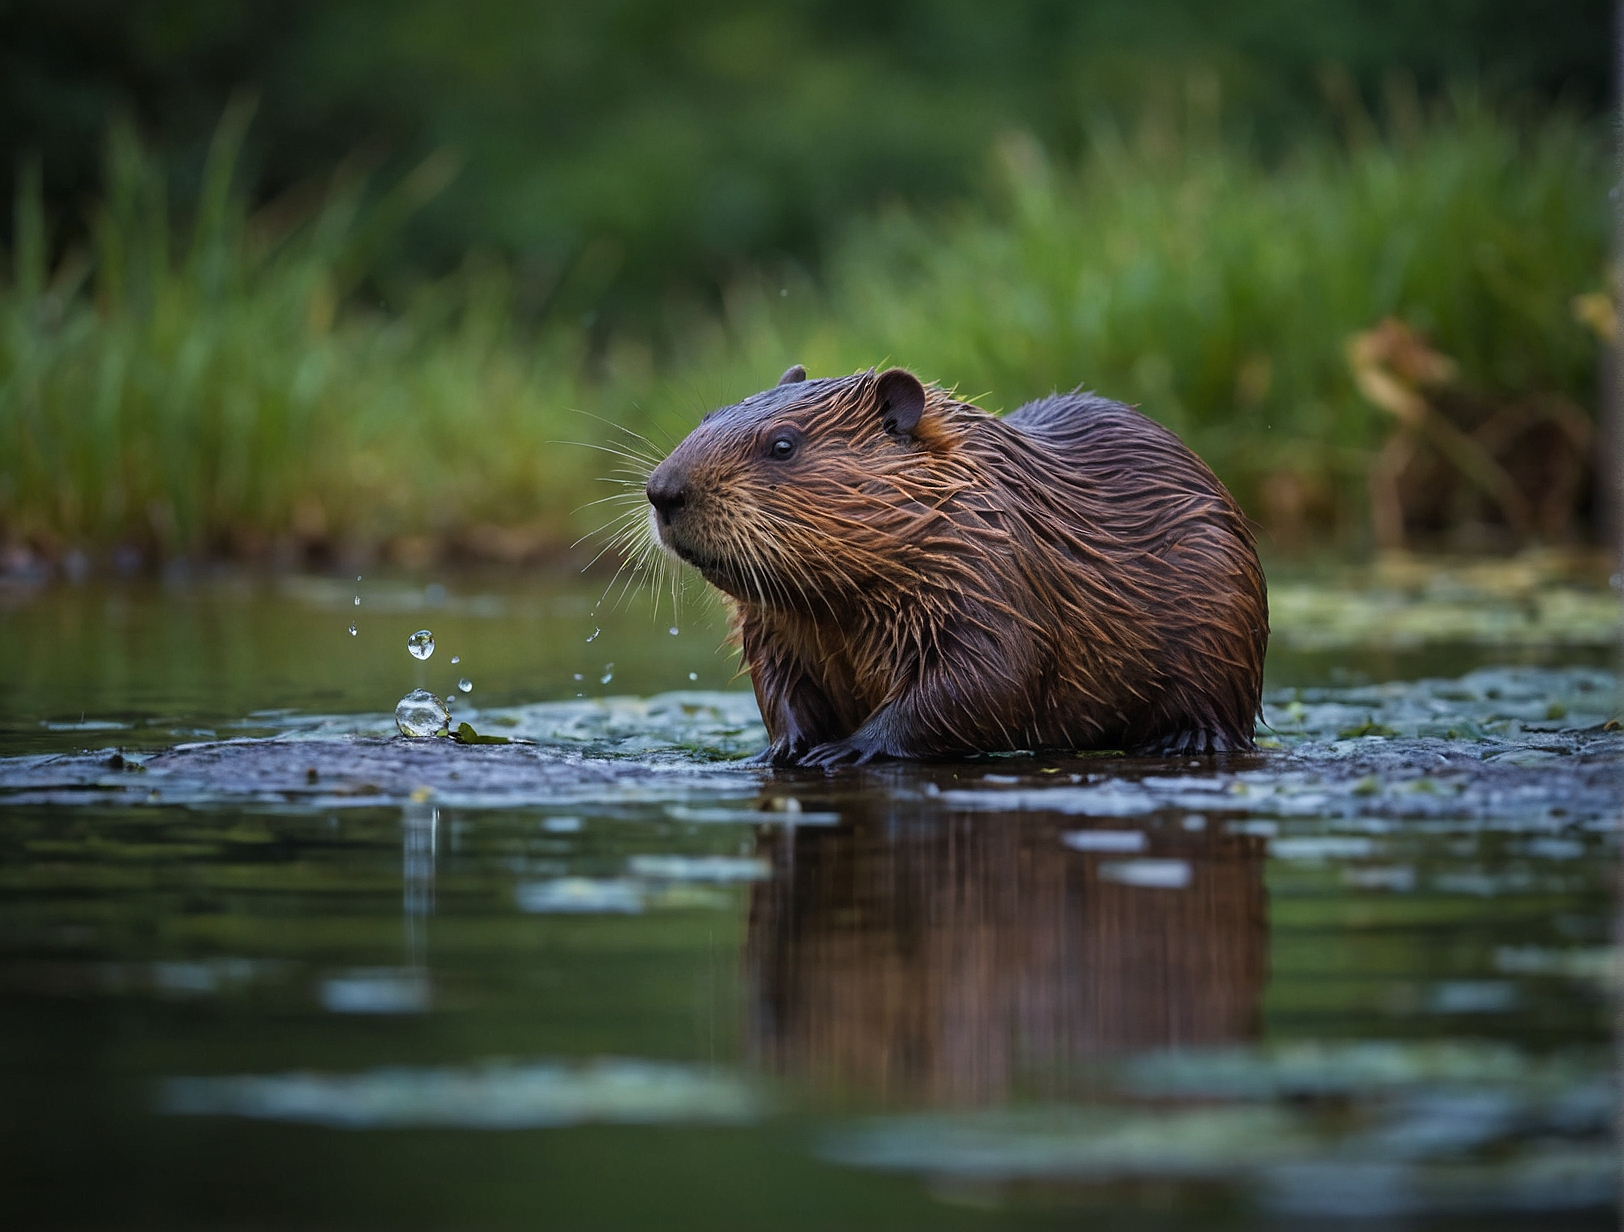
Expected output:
(806, 488)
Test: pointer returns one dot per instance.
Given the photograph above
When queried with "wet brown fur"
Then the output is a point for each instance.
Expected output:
(1070, 575)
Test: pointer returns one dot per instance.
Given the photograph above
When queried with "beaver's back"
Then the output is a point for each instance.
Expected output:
(1106, 446)
(1153, 535)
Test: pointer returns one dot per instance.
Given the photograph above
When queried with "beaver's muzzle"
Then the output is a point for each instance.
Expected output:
(668, 491)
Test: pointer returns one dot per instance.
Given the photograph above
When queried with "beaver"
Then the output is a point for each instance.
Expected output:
(911, 576)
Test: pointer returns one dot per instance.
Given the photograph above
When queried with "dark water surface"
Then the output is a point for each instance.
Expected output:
(272, 966)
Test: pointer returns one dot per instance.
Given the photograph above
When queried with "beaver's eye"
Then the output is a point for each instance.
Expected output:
(782, 448)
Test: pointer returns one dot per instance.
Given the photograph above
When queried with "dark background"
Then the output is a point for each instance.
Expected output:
(626, 150)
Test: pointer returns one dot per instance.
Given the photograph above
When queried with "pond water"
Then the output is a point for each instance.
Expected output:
(266, 963)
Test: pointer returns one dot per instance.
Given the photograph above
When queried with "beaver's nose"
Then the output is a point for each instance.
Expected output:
(667, 490)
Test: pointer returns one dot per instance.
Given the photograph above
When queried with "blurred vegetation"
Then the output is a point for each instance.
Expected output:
(225, 388)
(546, 220)
(629, 155)
(221, 391)
(1172, 271)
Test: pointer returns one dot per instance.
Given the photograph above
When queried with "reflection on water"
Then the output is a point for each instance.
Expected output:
(608, 977)
(406, 989)
(1014, 1001)
(419, 838)
(492, 1096)
(926, 957)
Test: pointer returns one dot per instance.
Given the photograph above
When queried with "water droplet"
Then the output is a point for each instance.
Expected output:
(606, 677)
(456, 658)
(693, 675)
(421, 644)
(421, 714)
(673, 630)
(594, 635)
(357, 600)
(465, 684)
(352, 628)
(579, 676)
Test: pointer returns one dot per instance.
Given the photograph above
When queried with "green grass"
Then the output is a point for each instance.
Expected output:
(1217, 294)
(231, 386)
(232, 389)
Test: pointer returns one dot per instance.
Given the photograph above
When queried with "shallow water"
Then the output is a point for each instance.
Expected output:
(265, 963)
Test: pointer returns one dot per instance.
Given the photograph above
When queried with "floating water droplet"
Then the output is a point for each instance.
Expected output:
(352, 628)
(421, 714)
(357, 600)
(693, 675)
(606, 677)
(673, 630)
(456, 658)
(465, 684)
(421, 644)
(579, 676)
(594, 635)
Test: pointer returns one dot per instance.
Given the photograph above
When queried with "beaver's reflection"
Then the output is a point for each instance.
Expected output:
(953, 959)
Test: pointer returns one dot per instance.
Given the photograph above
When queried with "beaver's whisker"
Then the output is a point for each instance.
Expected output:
(619, 539)
(754, 572)
(625, 564)
(628, 578)
(613, 527)
(782, 564)
(769, 563)
(649, 462)
(620, 427)
(658, 566)
(655, 425)
(604, 500)
(635, 481)
(646, 461)
(624, 516)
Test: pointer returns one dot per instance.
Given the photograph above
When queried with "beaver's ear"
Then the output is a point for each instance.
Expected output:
(902, 400)
(793, 376)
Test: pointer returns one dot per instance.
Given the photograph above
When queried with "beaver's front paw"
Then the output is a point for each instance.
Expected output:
(779, 753)
(855, 750)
